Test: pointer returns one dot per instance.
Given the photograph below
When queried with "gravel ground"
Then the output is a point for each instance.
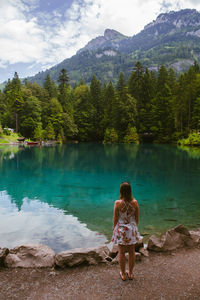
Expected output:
(171, 276)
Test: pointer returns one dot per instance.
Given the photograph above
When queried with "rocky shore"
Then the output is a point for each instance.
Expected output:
(41, 256)
(168, 268)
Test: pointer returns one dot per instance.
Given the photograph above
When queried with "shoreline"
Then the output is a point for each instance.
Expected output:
(42, 256)
(167, 276)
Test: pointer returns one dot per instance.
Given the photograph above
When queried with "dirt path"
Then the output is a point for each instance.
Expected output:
(160, 276)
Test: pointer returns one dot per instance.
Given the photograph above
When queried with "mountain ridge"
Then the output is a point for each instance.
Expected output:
(173, 39)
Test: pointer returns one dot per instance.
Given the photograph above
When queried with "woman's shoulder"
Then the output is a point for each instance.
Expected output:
(118, 202)
(134, 202)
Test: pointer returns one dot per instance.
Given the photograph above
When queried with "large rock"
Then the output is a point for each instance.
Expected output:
(3, 253)
(155, 244)
(139, 245)
(30, 256)
(174, 238)
(113, 251)
(74, 257)
(194, 238)
(144, 252)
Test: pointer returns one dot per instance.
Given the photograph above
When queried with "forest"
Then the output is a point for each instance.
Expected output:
(163, 106)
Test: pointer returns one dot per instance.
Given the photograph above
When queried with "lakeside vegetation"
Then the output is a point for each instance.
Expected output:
(162, 106)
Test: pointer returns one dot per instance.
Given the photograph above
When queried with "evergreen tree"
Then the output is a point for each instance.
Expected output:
(121, 84)
(110, 136)
(63, 80)
(38, 133)
(49, 132)
(109, 120)
(55, 115)
(50, 87)
(96, 100)
(83, 113)
(14, 100)
(148, 90)
(131, 136)
(135, 88)
(196, 114)
(65, 92)
(31, 117)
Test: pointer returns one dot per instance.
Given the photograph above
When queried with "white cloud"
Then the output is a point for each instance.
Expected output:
(21, 39)
(48, 38)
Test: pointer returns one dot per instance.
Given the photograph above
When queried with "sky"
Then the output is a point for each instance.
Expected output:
(38, 34)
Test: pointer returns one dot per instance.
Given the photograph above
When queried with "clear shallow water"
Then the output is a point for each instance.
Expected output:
(63, 196)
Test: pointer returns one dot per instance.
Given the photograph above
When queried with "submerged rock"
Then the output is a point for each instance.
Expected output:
(74, 257)
(30, 256)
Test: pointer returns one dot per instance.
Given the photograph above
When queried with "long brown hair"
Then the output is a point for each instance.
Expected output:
(126, 191)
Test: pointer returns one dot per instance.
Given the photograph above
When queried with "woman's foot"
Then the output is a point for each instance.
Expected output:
(123, 276)
(130, 276)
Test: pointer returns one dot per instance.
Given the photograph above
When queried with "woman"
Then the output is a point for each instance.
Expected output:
(125, 228)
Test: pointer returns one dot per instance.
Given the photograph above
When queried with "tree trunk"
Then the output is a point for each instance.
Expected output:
(16, 119)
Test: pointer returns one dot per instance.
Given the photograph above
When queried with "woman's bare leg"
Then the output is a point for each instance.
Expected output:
(131, 259)
(122, 260)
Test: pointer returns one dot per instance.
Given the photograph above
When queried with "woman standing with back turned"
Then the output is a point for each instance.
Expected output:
(125, 228)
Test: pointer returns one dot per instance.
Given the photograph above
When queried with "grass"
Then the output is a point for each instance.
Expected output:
(7, 139)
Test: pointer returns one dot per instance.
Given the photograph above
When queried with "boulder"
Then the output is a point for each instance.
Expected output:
(30, 256)
(3, 253)
(74, 257)
(139, 245)
(155, 244)
(114, 251)
(194, 238)
(173, 239)
(144, 252)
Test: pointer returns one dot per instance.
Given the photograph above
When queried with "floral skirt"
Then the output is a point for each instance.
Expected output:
(126, 234)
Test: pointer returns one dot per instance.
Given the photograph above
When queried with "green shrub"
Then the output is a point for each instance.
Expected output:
(110, 136)
(131, 137)
(1, 130)
(6, 131)
(192, 140)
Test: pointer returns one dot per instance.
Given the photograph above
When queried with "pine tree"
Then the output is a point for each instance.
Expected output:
(109, 120)
(50, 87)
(83, 113)
(31, 116)
(14, 100)
(96, 100)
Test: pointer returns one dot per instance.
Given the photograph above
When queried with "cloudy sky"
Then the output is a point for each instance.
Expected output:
(37, 34)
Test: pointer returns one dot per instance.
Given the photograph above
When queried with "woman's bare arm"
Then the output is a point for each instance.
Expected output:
(116, 214)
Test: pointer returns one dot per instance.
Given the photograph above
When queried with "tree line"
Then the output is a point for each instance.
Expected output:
(160, 104)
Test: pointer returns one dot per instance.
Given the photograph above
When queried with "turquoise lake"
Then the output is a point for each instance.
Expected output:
(63, 196)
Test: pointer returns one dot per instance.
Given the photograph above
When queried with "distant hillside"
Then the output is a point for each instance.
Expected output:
(2, 86)
(173, 39)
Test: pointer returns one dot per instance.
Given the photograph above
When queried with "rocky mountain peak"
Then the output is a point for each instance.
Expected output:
(182, 18)
(111, 34)
(110, 39)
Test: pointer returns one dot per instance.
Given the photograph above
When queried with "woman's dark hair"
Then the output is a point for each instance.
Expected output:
(125, 191)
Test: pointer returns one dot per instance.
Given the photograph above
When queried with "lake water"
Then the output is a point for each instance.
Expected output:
(63, 196)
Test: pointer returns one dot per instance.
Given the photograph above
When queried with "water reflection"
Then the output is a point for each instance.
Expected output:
(82, 180)
(39, 223)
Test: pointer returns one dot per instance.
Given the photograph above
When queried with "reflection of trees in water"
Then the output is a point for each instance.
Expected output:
(72, 177)
(193, 152)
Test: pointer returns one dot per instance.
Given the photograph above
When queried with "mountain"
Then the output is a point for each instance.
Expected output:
(173, 39)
